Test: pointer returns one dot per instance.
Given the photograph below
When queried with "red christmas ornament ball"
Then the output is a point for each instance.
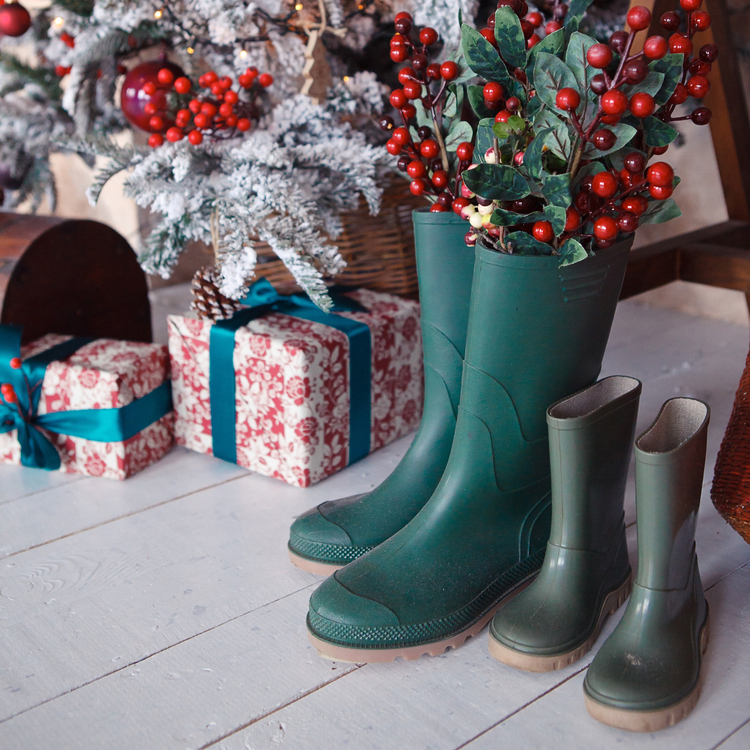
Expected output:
(133, 99)
(15, 20)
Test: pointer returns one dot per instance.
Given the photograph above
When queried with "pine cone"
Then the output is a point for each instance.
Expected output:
(209, 302)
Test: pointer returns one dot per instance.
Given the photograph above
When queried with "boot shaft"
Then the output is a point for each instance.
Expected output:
(670, 457)
(590, 439)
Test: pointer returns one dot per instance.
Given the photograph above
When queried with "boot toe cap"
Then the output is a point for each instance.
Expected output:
(314, 527)
(338, 614)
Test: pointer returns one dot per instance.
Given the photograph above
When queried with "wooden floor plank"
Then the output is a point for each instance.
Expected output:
(81, 607)
(559, 719)
(18, 481)
(738, 740)
(72, 507)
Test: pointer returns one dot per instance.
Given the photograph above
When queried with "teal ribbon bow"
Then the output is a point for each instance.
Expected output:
(101, 425)
(261, 300)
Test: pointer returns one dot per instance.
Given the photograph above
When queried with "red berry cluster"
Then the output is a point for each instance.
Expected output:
(425, 160)
(7, 392)
(531, 23)
(220, 112)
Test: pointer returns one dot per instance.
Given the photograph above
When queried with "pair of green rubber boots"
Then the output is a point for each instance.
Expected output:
(646, 675)
(424, 561)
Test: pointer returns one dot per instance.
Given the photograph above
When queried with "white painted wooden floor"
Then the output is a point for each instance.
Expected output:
(161, 613)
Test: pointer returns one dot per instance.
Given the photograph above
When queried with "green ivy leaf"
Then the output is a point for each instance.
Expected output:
(575, 59)
(550, 75)
(576, 10)
(659, 212)
(532, 158)
(658, 133)
(556, 189)
(481, 56)
(552, 44)
(496, 182)
(571, 252)
(556, 216)
(454, 102)
(671, 67)
(509, 37)
(503, 218)
(460, 132)
(624, 133)
(559, 141)
(517, 124)
(476, 99)
(651, 84)
(534, 106)
(484, 138)
(524, 244)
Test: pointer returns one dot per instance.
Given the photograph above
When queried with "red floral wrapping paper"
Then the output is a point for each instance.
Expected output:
(104, 374)
(292, 387)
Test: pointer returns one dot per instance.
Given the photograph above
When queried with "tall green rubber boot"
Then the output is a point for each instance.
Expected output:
(586, 571)
(339, 531)
(646, 675)
(537, 332)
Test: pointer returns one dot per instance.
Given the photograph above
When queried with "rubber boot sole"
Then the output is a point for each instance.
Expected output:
(313, 566)
(533, 663)
(348, 655)
(648, 721)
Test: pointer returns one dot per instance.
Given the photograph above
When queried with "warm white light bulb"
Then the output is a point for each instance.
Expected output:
(298, 7)
(190, 50)
(158, 14)
(58, 22)
(243, 53)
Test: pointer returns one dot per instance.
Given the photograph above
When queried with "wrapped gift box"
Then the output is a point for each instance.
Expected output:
(292, 389)
(102, 374)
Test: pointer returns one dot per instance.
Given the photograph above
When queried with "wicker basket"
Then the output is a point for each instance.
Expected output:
(731, 486)
(378, 250)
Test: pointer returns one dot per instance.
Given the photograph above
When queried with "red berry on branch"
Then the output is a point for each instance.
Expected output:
(659, 150)
(155, 140)
(392, 147)
(149, 88)
(156, 123)
(265, 80)
(518, 158)
(231, 121)
(444, 199)
(243, 124)
(709, 53)
(417, 187)
(614, 102)
(691, 5)
(416, 169)
(419, 62)
(408, 111)
(226, 109)
(231, 97)
(398, 98)
(536, 19)
(605, 228)
(701, 20)
(527, 29)
(679, 95)
(699, 68)
(440, 179)
(401, 136)
(449, 70)
(513, 104)
(489, 35)
(403, 25)
(628, 222)
(629, 179)
(502, 116)
(552, 27)
(543, 232)
(459, 204)
(670, 21)
(194, 106)
(635, 162)
(429, 149)
(413, 90)
(65, 38)
(642, 105)
(398, 40)
(209, 78)
(62, 70)
(438, 208)
(165, 76)
(182, 85)
(610, 119)
(182, 118)
(634, 204)
(202, 120)
(406, 74)
(639, 18)
(660, 193)
(428, 36)
(492, 92)
(655, 47)
(636, 71)
(465, 151)
(604, 139)
(209, 109)
(599, 55)
(15, 363)
(698, 87)
(195, 137)
(572, 219)
(404, 15)
(604, 185)
(470, 239)
(398, 54)
(245, 80)
(660, 174)
(701, 116)
(532, 41)
(567, 99)
(174, 134)
(8, 393)
(618, 41)
(598, 84)
(150, 108)
(679, 44)
(217, 89)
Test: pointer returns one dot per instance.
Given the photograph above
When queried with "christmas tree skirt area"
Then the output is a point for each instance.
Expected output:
(162, 613)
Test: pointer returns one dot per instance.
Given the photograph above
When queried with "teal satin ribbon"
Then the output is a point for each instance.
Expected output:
(101, 425)
(261, 300)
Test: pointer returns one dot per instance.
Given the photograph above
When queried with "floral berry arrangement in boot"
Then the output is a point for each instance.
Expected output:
(220, 112)
(567, 166)
(433, 143)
